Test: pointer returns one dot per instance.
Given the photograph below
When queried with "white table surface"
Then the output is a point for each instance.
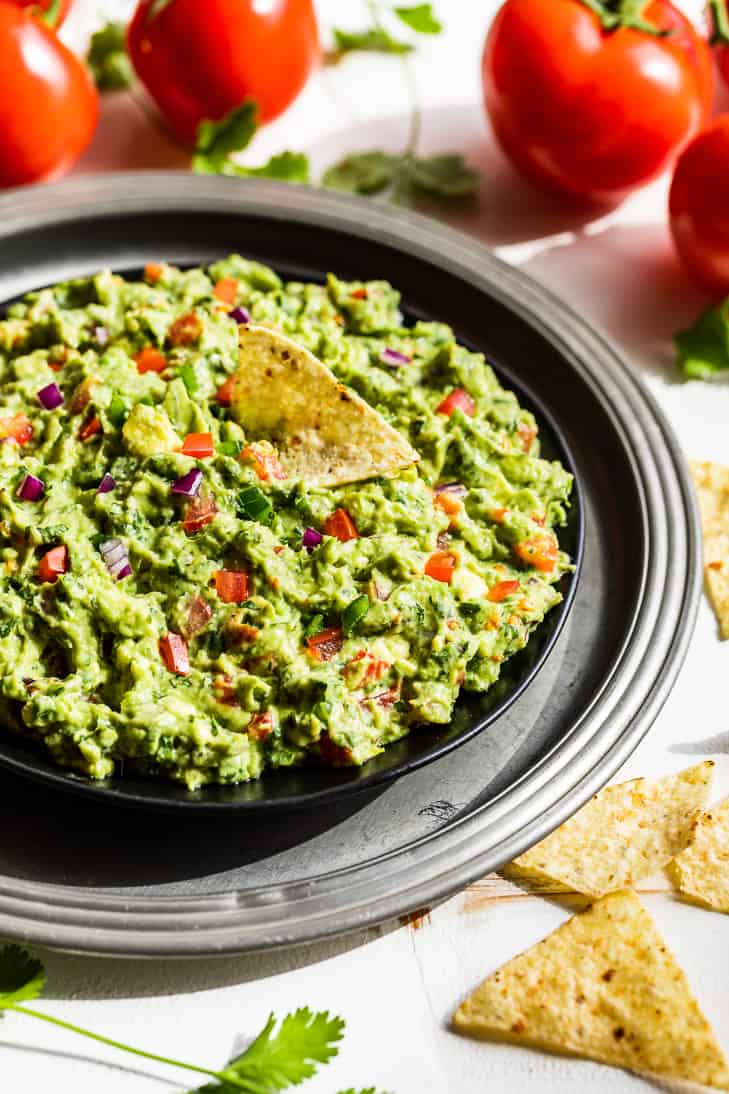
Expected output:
(397, 986)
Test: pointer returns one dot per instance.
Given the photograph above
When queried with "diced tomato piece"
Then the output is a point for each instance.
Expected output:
(448, 503)
(261, 726)
(539, 551)
(359, 294)
(340, 525)
(173, 651)
(498, 516)
(332, 754)
(186, 330)
(440, 566)
(266, 464)
(53, 563)
(89, 429)
(324, 645)
(366, 667)
(224, 690)
(200, 511)
(527, 435)
(501, 590)
(226, 289)
(224, 394)
(198, 445)
(199, 614)
(460, 399)
(231, 586)
(18, 428)
(83, 395)
(150, 359)
(153, 272)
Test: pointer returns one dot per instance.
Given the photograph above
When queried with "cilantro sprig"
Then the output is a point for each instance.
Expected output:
(283, 1054)
(217, 141)
(703, 349)
(377, 38)
(107, 58)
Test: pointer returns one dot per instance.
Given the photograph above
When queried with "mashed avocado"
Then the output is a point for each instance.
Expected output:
(169, 604)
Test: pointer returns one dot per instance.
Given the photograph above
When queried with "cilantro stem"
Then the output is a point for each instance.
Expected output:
(221, 1076)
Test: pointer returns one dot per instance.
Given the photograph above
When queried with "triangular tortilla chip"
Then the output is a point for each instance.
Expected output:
(712, 488)
(602, 986)
(624, 833)
(701, 871)
(324, 432)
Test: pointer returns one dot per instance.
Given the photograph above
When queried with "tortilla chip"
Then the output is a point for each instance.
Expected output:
(624, 833)
(701, 871)
(605, 987)
(712, 488)
(324, 432)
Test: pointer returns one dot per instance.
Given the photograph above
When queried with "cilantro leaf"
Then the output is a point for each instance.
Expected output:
(107, 58)
(22, 977)
(303, 1040)
(703, 349)
(217, 140)
(286, 166)
(420, 18)
(447, 176)
(372, 40)
(361, 173)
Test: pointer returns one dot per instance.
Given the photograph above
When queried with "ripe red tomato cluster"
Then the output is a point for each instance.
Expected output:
(591, 100)
(197, 60)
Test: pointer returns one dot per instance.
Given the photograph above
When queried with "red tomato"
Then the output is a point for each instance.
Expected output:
(340, 525)
(440, 566)
(588, 112)
(458, 398)
(173, 651)
(699, 207)
(198, 445)
(231, 586)
(48, 105)
(53, 564)
(52, 12)
(200, 60)
(541, 552)
(150, 359)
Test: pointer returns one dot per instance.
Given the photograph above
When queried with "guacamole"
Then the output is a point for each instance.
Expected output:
(172, 604)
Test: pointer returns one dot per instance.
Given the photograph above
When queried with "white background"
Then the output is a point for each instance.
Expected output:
(397, 986)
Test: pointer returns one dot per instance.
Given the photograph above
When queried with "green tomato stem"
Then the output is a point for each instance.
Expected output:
(221, 1076)
(50, 15)
(720, 21)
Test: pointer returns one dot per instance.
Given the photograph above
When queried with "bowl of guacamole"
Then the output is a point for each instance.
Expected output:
(174, 605)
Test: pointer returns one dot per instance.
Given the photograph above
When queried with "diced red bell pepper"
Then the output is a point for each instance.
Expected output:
(460, 399)
(200, 511)
(501, 590)
(226, 289)
(539, 551)
(266, 464)
(231, 586)
(53, 564)
(150, 359)
(198, 445)
(224, 394)
(186, 330)
(440, 566)
(326, 644)
(18, 428)
(173, 651)
(89, 429)
(340, 525)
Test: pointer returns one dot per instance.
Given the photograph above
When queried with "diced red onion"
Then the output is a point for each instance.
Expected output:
(457, 489)
(240, 314)
(116, 558)
(393, 357)
(31, 488)
(50, 396)
(107, 483)
(311, 539)
(100, 336)
(380, 590)
(188, 485)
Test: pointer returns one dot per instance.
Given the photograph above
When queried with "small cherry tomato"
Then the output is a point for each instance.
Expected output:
(699, 207)
(48, 104)
(201, 60)
(592, 108)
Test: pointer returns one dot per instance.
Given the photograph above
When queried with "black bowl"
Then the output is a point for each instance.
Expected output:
(95, 236)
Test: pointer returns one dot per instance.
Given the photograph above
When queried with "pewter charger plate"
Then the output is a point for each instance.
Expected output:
(90, 876)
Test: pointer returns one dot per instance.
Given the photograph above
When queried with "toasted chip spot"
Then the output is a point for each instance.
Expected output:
(643, 1018)
(324, 433)
(626, 832)
(712, 489)
(701, 871)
